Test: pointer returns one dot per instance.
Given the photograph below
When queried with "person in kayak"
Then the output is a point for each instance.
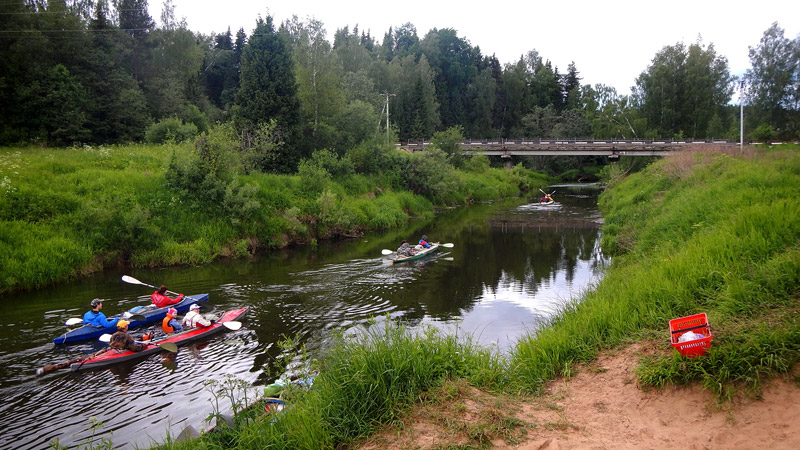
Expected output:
(170, 324)
(121, 340)
(424, 242)
(194, 319)
(95, 317)
(405, 249)
(161, 299)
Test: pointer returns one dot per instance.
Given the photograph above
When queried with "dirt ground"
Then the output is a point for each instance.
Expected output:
(602, 408)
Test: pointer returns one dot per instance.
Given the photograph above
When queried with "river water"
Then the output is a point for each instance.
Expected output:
(512, 265)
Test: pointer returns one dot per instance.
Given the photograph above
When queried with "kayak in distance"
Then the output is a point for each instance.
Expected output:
(418, 254)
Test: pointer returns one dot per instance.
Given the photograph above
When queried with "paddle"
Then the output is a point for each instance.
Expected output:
(389, 252)
(132, 280)
(168, 346)
(232, 325)
(73, 321)
(67, 363)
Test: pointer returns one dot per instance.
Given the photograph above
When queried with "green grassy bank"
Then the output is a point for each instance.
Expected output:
(699, 232)
(68, 212)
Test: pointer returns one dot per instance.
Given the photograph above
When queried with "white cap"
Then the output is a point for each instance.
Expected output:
(194, 306)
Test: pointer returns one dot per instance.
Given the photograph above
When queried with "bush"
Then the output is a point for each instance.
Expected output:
(170, 129)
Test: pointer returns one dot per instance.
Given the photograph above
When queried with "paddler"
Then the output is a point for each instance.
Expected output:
(121, 340)
(161, 299)
(194, 319)
(170, 324)
(95, 317)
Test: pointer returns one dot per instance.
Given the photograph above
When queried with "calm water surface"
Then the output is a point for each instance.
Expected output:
(513, 264)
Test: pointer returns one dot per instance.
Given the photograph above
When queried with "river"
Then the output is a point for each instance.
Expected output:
(512, 265)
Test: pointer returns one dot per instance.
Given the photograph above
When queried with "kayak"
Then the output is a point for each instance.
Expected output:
(421, 253)
(272, 402)
(547, 203)
(109, 357)
(150, 312)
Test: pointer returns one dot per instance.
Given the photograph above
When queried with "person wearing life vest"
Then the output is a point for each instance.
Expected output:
(194, 319)
(160, 298)
(424, 242)
(95, 317)
(170, 324)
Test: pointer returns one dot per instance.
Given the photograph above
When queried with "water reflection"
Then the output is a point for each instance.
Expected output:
(512, 265)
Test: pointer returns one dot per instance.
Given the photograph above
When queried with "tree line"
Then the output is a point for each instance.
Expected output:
(99, 71)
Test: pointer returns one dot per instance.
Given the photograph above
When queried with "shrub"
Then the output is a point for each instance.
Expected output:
(170, 129)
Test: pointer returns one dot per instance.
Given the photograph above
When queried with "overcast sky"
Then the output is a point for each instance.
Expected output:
(611, 41)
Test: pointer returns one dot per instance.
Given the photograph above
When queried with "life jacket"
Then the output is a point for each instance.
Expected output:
(165, 324)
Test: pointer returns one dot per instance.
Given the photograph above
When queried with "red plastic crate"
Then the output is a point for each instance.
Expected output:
(697, 323)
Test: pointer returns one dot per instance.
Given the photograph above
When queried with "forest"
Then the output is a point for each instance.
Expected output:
(89, 72)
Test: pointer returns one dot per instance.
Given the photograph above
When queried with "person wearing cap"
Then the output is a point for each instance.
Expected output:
(194, 319)
(121, 340)
(96, 318)
(161, 299)
(170, 323)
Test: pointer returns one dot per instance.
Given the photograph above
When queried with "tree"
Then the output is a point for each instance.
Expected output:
(318, 81)
(774, 81)
(453, 61)
(268, 91)
(682, 89)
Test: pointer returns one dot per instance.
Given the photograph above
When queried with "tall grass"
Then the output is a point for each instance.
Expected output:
(367, 379)
(690, 245)
(67, 212)
(711, 233)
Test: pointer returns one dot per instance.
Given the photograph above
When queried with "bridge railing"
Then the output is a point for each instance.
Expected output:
(420, 144)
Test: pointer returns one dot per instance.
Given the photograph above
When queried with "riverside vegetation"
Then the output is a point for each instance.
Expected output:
(700, 231)
(68, 212)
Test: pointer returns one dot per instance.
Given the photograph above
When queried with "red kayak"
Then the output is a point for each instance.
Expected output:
(108, 357)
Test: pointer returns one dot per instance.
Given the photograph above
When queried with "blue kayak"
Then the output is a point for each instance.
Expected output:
(150, 312)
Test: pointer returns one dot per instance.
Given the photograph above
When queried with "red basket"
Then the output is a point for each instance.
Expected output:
(697, 323)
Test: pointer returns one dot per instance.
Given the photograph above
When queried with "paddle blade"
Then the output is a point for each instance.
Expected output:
(73, 321)
(168, 346)
(131, 280)
(136, 318)
(232, 325)
(448, 245)
(386, 252)
(105, 338)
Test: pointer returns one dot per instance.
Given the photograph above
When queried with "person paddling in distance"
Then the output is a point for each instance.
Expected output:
(161, 299)
(170, 324)
(423, 242)
(95, 317)
(121, 340)
(405, 249)
(194, 319)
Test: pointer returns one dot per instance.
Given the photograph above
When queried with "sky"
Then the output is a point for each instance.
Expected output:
(611, 42)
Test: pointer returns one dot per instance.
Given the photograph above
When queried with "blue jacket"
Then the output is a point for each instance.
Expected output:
(98, 319)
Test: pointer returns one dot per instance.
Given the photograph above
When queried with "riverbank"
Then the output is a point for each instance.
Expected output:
(691, 233)
(65, 213)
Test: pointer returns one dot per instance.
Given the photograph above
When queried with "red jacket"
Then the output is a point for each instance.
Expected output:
(162, 300)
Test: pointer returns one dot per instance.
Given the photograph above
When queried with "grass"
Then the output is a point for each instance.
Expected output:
(708, 232)
(68, 212)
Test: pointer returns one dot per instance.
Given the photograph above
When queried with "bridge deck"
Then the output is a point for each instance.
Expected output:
(573, 147)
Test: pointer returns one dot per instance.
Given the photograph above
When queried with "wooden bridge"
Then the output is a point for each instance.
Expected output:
(612, 148)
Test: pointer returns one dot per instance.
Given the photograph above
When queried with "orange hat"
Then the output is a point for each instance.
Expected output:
(122, 324)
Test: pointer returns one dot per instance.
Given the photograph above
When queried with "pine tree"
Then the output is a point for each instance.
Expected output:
(268, 91)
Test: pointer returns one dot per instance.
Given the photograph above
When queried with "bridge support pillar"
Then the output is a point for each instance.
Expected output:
(509, 164)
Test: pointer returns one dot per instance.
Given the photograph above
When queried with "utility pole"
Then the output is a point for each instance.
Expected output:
(387, 95)
(741, 116)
